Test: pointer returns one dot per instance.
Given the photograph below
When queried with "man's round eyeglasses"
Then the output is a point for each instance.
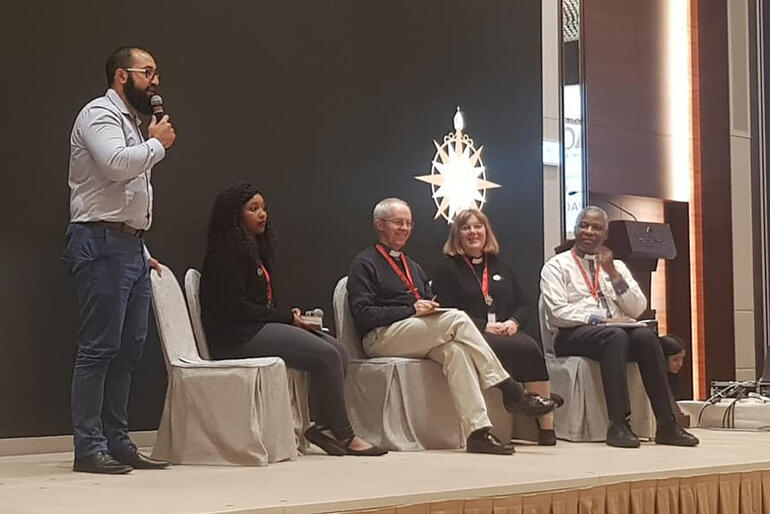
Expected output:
(150, 73)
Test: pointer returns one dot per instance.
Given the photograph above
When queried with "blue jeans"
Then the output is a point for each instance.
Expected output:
(112, 285)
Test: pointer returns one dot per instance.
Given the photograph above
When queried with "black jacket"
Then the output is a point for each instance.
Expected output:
(233, 296)
(455, 286)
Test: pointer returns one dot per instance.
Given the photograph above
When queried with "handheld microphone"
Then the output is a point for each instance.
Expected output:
(316, 313)
(156, 101)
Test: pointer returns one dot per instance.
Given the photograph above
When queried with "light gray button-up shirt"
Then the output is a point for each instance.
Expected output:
(110, 165)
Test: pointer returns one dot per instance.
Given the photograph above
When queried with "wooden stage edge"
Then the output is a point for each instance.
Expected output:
(318, 483)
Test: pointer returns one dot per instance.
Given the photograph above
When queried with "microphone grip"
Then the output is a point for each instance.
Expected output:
(158, 115)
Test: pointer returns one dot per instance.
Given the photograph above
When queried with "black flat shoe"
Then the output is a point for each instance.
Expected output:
(484, 441)
(530, 405)
(620, 435)
(674, 435)
(327, 444)
(100, 462)
(133, 458)
(374, 451)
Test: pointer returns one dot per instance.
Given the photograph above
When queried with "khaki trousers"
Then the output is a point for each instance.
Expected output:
(451, 339)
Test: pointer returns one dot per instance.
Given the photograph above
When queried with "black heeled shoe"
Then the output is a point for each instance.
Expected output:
(328, 444)
(557, 399)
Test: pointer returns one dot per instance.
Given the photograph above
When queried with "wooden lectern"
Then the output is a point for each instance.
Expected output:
(640, 244)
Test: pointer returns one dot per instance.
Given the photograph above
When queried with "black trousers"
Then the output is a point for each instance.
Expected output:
(613, 348)
(520, 355)
(315, 352)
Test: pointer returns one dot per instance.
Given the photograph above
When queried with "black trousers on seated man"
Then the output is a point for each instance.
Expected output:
(613, 348)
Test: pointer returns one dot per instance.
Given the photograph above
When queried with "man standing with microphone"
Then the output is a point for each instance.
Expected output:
(110, 210)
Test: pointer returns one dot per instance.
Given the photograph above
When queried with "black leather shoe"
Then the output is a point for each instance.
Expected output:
(100, 462)
(620, 435)
(673, 434)
(132, 457)
(484, 441)
(529, 404)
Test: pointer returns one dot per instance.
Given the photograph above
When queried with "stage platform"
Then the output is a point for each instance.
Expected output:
(318, 483)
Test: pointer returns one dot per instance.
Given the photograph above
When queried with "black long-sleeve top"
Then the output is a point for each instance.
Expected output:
(233, 295)
(455, 286)
(376, 294)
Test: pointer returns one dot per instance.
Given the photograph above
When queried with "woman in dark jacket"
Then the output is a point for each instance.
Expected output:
(242, 319)
(475, 279)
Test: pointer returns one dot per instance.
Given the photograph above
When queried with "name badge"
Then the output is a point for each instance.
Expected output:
(491, 317)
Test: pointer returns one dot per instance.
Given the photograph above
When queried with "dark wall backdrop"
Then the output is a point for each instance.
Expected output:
(328, 106)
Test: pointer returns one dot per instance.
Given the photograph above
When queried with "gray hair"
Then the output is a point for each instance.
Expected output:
(383, 207)
(591, 209)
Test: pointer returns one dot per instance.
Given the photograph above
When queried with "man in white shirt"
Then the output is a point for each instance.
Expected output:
(584, 289)
(110, 209)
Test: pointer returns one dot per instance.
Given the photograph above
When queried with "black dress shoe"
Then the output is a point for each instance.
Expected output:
(620, 435)
(484, 441)
(529, 404)
(132, 457)
(558, 399)
(100, 462)
(674, 435)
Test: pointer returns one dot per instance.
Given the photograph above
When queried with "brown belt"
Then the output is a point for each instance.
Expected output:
(117, 225)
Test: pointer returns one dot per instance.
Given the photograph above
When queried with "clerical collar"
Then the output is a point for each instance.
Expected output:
(477, 260)
(391, 251)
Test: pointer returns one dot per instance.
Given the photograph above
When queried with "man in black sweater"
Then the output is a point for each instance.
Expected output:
(395, 315)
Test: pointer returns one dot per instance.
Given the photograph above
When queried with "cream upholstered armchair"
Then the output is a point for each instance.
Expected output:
(583, 417)
(217, 412)
(297, 380)
(402, 403)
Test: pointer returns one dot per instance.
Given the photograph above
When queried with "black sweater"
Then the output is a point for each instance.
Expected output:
(455, 286)
(233, 295)
(376, 294)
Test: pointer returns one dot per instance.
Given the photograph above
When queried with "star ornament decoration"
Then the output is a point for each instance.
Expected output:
(458, 175)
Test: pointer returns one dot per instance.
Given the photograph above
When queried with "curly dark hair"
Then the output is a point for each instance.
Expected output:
(225, 226)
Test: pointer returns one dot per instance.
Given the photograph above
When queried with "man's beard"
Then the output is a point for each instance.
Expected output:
(137, 97)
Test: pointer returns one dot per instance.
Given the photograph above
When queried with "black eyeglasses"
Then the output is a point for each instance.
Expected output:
(149, 72)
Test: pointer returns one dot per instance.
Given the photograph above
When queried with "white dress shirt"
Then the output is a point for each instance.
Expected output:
(110, 165)
(569, 301)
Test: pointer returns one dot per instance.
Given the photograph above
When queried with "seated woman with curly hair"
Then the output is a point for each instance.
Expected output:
(242, 318)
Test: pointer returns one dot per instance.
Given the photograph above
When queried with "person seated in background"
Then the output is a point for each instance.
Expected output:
(474, 278)
(585, 289)
(395, 315)
(242, 318)
(674, 352)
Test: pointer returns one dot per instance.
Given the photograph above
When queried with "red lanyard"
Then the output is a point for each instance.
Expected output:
(594, 288)
(484, 282)
(269, 286)
(406, 279)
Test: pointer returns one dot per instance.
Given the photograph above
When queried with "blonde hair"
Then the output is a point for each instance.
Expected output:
(453, 245)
